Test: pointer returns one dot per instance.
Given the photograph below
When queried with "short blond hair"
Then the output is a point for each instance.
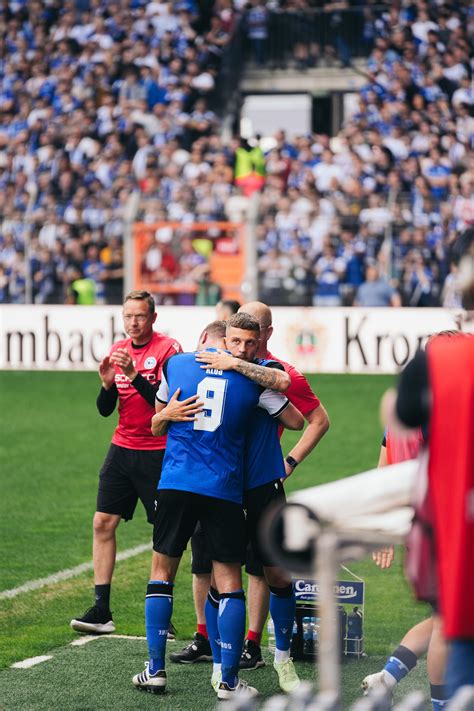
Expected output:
(141, 296)
(244, 321)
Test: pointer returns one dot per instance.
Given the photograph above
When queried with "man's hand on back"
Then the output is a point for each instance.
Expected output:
(182, 410)
(216, 359)
(175, 411)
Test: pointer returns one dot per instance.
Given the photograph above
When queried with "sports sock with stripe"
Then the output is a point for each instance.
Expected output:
(158, 610)
(282, 610)
(400, 662)
(231, 623)
(439, 698)
(211, 609)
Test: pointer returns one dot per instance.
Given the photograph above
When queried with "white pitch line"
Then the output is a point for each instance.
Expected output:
(31, 662)
(68, 573)
(124, 636)
(91, 637)
(79, 642)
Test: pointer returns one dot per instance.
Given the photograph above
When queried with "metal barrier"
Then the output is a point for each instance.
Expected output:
(305, 698)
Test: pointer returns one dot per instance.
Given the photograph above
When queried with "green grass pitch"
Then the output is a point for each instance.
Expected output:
(52, 445)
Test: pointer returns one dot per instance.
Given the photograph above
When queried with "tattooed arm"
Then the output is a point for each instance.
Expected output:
(266, 376)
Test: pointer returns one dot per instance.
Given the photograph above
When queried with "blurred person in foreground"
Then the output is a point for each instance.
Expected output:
(436, 389)
(130, 374)
(426, 636)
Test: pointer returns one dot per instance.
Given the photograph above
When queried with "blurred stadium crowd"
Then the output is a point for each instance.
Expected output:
(99, 99)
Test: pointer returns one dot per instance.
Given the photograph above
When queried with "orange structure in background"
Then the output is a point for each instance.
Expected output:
(221, 243)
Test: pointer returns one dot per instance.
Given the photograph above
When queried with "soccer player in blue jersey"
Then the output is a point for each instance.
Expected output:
(202, 481)
(300, 394)
(258, 595)
(264, 470)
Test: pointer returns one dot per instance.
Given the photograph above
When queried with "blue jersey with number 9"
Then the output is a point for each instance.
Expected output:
(206, 456)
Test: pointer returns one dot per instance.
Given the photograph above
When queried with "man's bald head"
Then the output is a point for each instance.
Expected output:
(263, 314)
(260, 311)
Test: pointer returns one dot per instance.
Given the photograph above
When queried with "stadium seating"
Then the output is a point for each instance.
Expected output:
(100, 100)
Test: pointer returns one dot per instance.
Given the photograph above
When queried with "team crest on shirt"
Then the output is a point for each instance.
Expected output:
(150, 362)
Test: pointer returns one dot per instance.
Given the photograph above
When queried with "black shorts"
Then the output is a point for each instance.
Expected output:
(256, 501)
(253, 562)
(178, 513)
(126, 476)
(201, 562)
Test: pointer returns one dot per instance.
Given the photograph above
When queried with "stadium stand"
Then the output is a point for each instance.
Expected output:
(100, 99)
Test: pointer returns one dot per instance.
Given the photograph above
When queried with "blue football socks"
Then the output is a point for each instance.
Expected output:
(158, 610)
(282, 610)
(211, 610)
(401, 662)
(231, 622)
(438, 696)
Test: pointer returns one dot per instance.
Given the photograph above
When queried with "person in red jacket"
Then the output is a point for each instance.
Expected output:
(426, 636)
(437, 389)
(130, 375)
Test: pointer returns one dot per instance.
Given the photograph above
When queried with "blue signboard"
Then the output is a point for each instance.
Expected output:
(345, 591)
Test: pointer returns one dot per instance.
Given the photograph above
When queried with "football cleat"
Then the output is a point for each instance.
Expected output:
(379, 683)
(287, 676)
(171, 632)
(216, 679)
(240, 691)
(95, 621)
(251, 656)
(154, 683)
(199, 650)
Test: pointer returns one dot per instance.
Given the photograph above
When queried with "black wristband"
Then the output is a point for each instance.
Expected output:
(291, 461)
